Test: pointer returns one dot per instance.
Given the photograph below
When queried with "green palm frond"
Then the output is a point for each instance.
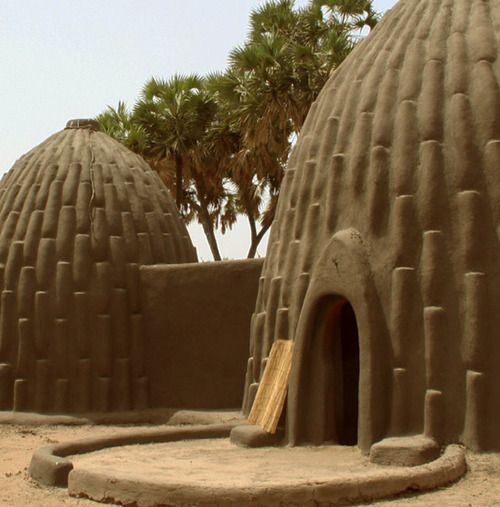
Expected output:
(272, 17)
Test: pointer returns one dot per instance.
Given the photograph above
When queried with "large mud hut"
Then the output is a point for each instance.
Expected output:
(383, 263)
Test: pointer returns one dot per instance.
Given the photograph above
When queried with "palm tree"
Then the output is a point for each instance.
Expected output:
(175, 114)
(270, 85)
(349, 14)
(255, 159)
(168, 127)
(119, 123)
(222, 142)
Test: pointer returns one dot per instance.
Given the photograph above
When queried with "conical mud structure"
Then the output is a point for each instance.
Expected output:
(79, 214)
(385, 255)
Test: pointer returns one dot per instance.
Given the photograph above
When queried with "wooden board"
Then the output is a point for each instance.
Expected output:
(273, 387)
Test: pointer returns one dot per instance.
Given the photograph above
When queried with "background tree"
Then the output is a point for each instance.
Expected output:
(270, 85)
(221, 143)
(175, 115)
(169, 127)
(120, 124)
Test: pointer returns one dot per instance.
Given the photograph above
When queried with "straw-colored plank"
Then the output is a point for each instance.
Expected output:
(271, 395)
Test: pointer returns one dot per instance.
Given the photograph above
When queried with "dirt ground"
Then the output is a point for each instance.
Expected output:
(480, 488)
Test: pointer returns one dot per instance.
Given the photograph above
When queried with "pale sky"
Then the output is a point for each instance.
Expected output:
(64, 59)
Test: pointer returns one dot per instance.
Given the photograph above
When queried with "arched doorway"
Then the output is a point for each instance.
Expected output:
(341, 337)
(316, 399)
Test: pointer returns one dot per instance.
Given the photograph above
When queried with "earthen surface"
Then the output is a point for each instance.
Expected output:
(202, 474)
(391, 203)
(252, 435)
(479, 488)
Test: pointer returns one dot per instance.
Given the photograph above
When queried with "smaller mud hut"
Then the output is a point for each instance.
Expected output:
(79, 215)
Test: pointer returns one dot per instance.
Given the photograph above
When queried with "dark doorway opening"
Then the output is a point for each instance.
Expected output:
(342, 333)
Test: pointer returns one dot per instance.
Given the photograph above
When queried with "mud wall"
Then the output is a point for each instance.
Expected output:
(197, 326)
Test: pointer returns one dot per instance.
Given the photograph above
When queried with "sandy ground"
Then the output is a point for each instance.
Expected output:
(480, 488)
(16, 446)
(213, 462)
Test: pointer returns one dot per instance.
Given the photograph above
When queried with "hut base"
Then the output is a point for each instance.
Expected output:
(195, 466)
(405, 451)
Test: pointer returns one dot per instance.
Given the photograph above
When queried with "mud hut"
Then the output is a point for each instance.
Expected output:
(79, 214)
(383, 263)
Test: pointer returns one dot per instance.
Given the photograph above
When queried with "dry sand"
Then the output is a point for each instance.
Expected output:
(480, 488)
(219, 463)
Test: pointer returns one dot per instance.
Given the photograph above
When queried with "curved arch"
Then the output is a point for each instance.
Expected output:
(343, 272)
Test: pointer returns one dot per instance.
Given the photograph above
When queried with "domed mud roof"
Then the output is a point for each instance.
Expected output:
(78, 215)
(401, 150)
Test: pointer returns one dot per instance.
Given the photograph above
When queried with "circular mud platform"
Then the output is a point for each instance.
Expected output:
(214, 472)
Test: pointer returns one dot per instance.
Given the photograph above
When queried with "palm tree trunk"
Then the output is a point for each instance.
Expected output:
(253, 235)
(208, 229)
(179, 191)
(256, 237)
(253, 250)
